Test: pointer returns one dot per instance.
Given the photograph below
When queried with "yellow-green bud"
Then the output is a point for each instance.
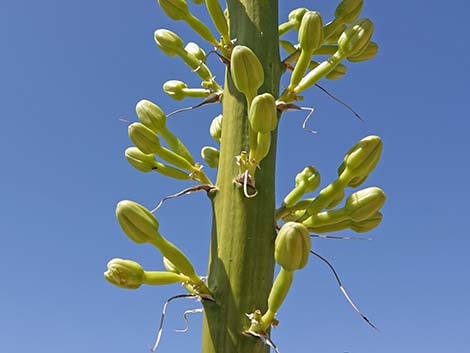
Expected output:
(136, 221)
(261, 149)
(361, 159)
(292, 246)
(296, 15)
(311, 31)
(369, 52)
(175, 9)
(367, 224)
(305, 181)
(196, 50)
(349, 10)
(151, 115)
(124, 273)
(169, 42)
(247, 71)
(141, 161)
(216, 128)
(218, 17)
(355, 39)
(210, 155)
(263, 113)
(144, 138)
(175, 89)
(364, 203)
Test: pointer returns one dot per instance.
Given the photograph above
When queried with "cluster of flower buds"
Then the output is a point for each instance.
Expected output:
(291, 252)
(146, 137)
(141, 226)
(361, 211)
(352, 36)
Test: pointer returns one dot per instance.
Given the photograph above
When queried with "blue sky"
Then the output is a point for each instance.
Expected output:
(70, 70)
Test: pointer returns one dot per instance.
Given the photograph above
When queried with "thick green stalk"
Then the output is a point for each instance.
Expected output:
(241, 265)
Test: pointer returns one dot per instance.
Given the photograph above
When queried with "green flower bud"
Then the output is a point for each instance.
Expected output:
(367, 224)
(179, 90)
(151, 115)
(306, 181)
(175, 89)
(263, 113)
(141, 161)
(369, 52)
(175, 9)
(195, 50)
(218, 17)
(210, 155)
(144, 138)
(365, 203)
(169, 266)
(292, 246)
(169, 42)
(361, 159)
(355, 39)
(247, 71)
(124, 273)
(311, 31)
(137, 222)
(297, 15)
(216, 128)
(349, 10)
(261, 149)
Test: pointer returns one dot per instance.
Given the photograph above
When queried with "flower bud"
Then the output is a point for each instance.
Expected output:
(308, 178)
(137, 222)
(355, 39)
(144, 138)
(292, 246)
(175, 89)
(263, 113)
(369, 52)
(175, 9)
(195, 50)
(349, 10)
(151, 115)
(367, 224)
(311, 31)
(364, 203)
(247, 71)
(361, 159)
(210, 155)
(169, 42)
(216, 128)
(140, 161)
(296, 15)
(124, 273)
(261, 149)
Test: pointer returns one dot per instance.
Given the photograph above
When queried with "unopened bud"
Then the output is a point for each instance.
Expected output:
(367, 224)
(169, 42)
(296, 15)
(175, 9)
(137, 222)
(144, 138)
(311, 31)
(355, 38)
(292, 246)
(140, 161)
(369, 52)
(196, 50)
(361, 159)
(364, 203)
(349, 10)
(263, 113)
(175, 89)
(151, 115)
(210, 156)
(247, 71)
(124, 273)
(216, 128)
(306, 181)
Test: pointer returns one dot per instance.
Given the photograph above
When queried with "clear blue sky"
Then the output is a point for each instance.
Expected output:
(70, 69)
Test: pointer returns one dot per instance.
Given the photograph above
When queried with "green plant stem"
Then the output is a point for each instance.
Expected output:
(241, 264)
